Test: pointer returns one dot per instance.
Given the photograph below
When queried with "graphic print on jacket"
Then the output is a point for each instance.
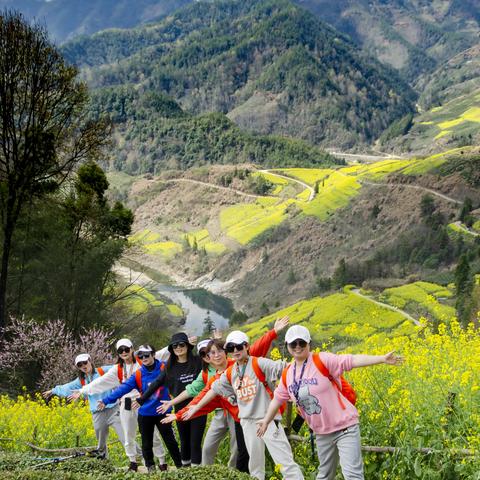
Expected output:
(247, 389)
(307, 402)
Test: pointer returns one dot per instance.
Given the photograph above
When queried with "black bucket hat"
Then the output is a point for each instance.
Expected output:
(178, 338)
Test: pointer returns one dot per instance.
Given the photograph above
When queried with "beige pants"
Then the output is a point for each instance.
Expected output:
(278, 447)
(220, 425)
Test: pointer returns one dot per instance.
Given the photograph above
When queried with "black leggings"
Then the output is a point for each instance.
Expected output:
(146, 426)
(243, 457)
(191, 434)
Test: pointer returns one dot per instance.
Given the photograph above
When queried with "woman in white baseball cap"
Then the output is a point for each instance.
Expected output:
(102, 420)
(325, 400)
(126, 366)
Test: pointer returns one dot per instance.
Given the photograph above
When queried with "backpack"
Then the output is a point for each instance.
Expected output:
(260, 376)
(99, 370)
(345, 389)
(138, 377)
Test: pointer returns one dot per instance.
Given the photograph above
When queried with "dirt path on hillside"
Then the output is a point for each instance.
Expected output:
(364, 157)
(303, 184)
(356, 291)
(417, 187)
(219, 187)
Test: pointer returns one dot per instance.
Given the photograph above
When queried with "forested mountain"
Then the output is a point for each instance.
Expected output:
(153, 133)
(413, 36)
(69, 18)
(271, 66)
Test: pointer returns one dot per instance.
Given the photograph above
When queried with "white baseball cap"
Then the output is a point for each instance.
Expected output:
(297, 332)
(145, 349)
(83, 357)
(124, 342)
(236, 337)
(203, 343)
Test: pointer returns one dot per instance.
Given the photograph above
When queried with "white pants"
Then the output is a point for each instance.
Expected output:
(344, 444)
(278, 447)
(129, 421)
(219, 427)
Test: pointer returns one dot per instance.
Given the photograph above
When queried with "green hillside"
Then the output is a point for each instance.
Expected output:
(153, 133)
(413, 37)
(270, 66)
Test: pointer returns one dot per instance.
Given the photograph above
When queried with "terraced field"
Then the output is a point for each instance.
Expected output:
(344, 317)
(138, 300)
(458, 117)
(244, 221)
(421, 298)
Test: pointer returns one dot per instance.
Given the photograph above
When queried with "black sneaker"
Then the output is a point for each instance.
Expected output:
(163, 467)
(133, 467)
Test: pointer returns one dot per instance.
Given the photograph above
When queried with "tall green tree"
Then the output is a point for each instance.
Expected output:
(64, 250)
(44, 128)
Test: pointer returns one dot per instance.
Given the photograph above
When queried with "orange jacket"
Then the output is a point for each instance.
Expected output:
(258, 349)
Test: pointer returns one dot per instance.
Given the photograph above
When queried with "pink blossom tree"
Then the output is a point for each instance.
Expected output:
(50, 347)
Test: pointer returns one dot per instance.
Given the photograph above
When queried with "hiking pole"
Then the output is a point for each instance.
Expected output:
(56, 460)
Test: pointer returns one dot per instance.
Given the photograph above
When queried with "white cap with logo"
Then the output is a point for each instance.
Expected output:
(297, 332)
(83, 357)
(236, 337)
(124, 342)
(145, 349)
(203, 343)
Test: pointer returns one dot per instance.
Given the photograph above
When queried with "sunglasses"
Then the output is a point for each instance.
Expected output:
(82, 364)
(298, 343)
(142, 356)
(231, 347)
(123, 350)
(203, 353)
(179, 345)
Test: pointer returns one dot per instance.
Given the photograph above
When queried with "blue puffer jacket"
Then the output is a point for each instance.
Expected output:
(149, 408)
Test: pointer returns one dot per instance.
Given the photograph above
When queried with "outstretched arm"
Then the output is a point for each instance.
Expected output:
(367, 360)
(194, 408)
(152, 388)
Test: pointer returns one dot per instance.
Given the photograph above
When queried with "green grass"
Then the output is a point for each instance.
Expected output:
(476, 226)
(139, 300)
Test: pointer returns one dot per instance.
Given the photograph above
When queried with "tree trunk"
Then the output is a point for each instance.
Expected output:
(7, 243)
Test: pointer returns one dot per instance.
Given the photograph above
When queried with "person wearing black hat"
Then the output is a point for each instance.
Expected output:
(182, 369)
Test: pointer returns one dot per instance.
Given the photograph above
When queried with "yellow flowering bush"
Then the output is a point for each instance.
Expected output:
(57, 424)
(432, 400)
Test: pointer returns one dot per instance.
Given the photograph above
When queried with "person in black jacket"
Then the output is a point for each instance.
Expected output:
(183, 368)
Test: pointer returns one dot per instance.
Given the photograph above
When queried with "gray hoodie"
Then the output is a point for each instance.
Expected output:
(246, 391)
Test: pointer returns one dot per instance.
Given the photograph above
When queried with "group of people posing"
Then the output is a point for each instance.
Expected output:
(245, 391)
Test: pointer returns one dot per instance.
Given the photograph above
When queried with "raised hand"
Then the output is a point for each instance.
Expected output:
(392, 359)
(217, 334)
(193, 339)
(281, 323)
